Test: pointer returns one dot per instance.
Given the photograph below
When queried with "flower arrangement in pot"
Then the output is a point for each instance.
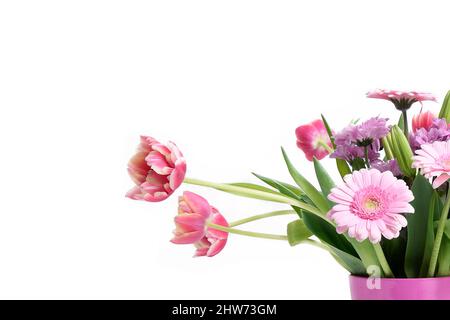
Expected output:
(386, 221)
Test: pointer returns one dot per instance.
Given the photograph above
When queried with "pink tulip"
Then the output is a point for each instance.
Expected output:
(313, 140)
(194, 215)
(156, 169)
(423, 120)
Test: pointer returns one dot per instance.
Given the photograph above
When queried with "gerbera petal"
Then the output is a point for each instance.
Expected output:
(439, 181)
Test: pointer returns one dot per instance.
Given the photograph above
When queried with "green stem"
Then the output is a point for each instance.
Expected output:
(439, 235)
(383, 262)
(256, 194)
(265, 235)
(261, 216)
(248, 233)
(405, 123)
(366, 156)
(365, 251)
(316, 244)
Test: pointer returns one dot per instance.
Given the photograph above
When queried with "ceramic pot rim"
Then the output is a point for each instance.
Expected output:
(402, 279)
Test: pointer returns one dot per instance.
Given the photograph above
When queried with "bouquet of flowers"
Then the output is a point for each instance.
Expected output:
(388, 214)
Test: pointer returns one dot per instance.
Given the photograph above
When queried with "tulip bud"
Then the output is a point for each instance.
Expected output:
(445, 110)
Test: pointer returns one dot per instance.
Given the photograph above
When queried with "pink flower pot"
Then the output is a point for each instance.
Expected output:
(399, 289)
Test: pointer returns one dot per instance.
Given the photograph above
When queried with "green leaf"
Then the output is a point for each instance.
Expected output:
(343, 167)
(401, 151)
(418, 226)
(327, 233)
(387, 149)
(394, 250)
(447, 226)
(252, 186)
(329, 131)
(287, 190)
(444, 258)
(349, 262)
(325, 181)
(277, 184)
(358, 164)
(297, 232)
(401, 123)
(445, 110)
(311, 192)
(436, 208)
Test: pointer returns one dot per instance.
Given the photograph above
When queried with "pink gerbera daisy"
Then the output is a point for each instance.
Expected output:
(402, 100)
(371, 204)
(433, 160)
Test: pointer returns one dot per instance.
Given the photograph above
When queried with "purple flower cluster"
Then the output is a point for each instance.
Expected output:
(439, 131)
(371, 130)
(390, 165)
(352, 141)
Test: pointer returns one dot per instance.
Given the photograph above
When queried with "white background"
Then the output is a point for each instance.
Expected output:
(228, 81)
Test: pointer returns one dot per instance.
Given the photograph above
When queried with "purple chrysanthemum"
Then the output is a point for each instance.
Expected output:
(384, 166)
(371, 130)
(439, 131)
(350, 152)
(352, 141)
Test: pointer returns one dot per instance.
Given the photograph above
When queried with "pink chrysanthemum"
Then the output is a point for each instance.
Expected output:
(313, 140)
(194, 214)
(402, 100)
(371, 204)
(433, 160)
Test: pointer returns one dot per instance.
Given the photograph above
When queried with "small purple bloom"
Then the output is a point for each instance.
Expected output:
(346, 137)
(384, 166)
(351, 142)
(439, 131)
(351, 152)
(371, 130)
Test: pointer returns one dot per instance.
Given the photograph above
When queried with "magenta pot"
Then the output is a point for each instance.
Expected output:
(399, 289)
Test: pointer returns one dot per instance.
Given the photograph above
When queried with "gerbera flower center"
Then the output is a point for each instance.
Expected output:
(370, 203)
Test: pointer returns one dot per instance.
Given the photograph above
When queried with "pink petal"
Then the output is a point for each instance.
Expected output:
(439, 181)
(197, 204)
(216, 248)
(187, 238)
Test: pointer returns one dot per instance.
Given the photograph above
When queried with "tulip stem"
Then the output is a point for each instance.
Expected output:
(247, 233)
(439, 236)
(264, 235)
(261, 216)
(257, 194)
